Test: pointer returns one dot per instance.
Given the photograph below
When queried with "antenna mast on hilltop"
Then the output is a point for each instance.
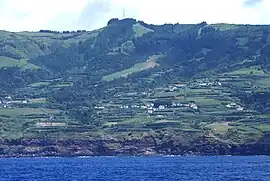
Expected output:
(124, 13)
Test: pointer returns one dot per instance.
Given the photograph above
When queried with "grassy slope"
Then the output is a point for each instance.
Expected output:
(6, 62)
(225, 27)
(150, 63)
(140, 30)
(27, 45)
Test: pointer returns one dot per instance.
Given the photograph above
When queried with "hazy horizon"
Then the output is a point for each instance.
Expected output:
(60, 15)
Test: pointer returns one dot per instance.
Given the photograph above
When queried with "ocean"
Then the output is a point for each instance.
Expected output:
(223, 168)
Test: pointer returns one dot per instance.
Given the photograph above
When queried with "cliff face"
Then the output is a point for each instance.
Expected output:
(146, 146)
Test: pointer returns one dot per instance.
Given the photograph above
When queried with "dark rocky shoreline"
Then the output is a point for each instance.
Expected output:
(146, 146)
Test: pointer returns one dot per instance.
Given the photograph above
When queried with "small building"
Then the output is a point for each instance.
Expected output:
(144, 107)
(177, 104)
(239, 108)
(203, 84)
(25, 102)
(180, 85)
(235, 106)
(193, 106)
(8, 97)
(231, 105)
(161, 107)
(99, 107)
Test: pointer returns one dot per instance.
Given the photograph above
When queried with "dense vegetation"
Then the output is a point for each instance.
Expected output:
(130, 77)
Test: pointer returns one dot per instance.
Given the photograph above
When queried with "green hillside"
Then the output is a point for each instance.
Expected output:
(174, 81)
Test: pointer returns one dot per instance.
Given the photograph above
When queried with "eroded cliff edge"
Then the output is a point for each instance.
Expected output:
(145, 146)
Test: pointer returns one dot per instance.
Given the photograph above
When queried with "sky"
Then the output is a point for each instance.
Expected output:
(33, 15)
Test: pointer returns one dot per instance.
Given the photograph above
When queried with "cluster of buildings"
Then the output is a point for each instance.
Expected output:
(50, 124)
(235, 106)
(8, 102)
(156, 106)
(195, 84)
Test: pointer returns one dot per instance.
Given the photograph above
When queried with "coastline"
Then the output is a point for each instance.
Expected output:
(146, 146)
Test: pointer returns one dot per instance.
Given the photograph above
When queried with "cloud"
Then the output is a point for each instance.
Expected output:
(195, 11)
(94, 13)
(97, 12)
(252, 3)
(33, 15)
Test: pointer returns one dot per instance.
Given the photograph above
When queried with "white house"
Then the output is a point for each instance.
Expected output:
(8, 97)
(161, 107)
(193, 106)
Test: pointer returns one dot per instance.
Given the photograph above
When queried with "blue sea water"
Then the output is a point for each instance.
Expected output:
(137, 168)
